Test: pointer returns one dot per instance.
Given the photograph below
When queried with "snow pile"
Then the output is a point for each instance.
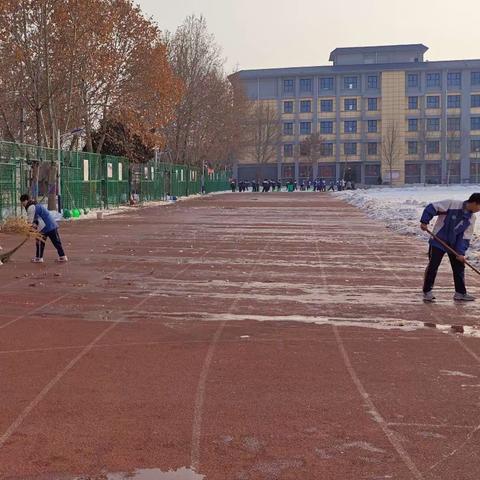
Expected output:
(400, 208)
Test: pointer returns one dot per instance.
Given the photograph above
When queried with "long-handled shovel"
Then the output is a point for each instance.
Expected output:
(451, 250)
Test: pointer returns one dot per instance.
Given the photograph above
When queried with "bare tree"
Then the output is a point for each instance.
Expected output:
(422, 143)
(453, 151)
(311, 147)
(391, 147)
(264, 133)
(196, 60)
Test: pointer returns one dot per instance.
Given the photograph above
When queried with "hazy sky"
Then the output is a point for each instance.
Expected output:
(281, 33)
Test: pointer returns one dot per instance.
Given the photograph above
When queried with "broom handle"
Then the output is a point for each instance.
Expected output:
(6, 255)
(451, 250)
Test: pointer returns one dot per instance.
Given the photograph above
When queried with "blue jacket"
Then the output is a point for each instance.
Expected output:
(40, 212)
(454, 225)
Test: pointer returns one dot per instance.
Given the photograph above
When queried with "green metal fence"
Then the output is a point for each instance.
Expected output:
(148, 181)
(217, 181)
(157, 181)
(13, 179)
(82, 180)
(88, 180)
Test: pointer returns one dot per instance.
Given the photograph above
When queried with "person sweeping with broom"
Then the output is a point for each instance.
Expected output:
(47, 226)
(451, 235)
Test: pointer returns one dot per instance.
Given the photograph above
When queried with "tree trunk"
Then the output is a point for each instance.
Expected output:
(52, 186)
(34, 184)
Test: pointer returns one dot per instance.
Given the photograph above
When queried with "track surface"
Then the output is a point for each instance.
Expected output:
(179, 337)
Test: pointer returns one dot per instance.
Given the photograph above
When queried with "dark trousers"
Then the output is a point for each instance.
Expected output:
(458, 268)
(57, 243)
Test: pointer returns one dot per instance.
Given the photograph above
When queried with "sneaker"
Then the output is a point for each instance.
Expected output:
(37, 260)
(428, 296)
(62, 260)
(463, 297)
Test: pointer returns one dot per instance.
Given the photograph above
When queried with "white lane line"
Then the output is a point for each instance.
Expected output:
(26, 411)
(456, 338)
(23, 415)
(201, 388)
(57, 299)
(428, 425)
(389, 433)
(456, 450)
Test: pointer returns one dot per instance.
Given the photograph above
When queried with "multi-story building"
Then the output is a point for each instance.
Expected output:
(369, 95)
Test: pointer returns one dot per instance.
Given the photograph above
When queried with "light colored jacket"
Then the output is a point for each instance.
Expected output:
(455, 224)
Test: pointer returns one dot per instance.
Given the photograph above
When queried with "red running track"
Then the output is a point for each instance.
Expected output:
(245, 337)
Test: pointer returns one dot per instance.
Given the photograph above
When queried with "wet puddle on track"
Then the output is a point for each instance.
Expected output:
(379, 323)
(147, 474)
(156, 474)
(138, 474)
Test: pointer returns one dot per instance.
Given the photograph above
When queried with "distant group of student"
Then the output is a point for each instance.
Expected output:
(267, 185)
(256, 186)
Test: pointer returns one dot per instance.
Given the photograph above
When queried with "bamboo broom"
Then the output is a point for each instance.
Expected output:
(18, 226)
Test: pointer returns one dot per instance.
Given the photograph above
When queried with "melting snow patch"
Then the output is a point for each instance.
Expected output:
(152, 474)
(453, 373)
(401, 208)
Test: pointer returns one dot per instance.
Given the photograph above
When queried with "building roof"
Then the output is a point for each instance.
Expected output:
(339, 69)
(380, 48)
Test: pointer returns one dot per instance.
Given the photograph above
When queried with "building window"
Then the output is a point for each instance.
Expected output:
(475, 101)
(350, 148)
(372, 81)
(372, 104)
(453, 101)
(475, 78)
(433, 79)
(306, 85)
(326, 149)
(326, 127)
(453, 124)
(372, 148)
(326, 105)
(433, 101)
(475, 123)
(413, 124)
(350, 126)
(350, 104)
(413, 148)
(372, 126)
(288, 128)
(289, 86)
(288, 107)
(350, 83)
(288, 150)
(453, 146)
(305, 128)
(433, 146)
(326, 83)
(412, 80)
(475, 146)
(454, 79)
(433, 124)
(413, 103)
(305, 106)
